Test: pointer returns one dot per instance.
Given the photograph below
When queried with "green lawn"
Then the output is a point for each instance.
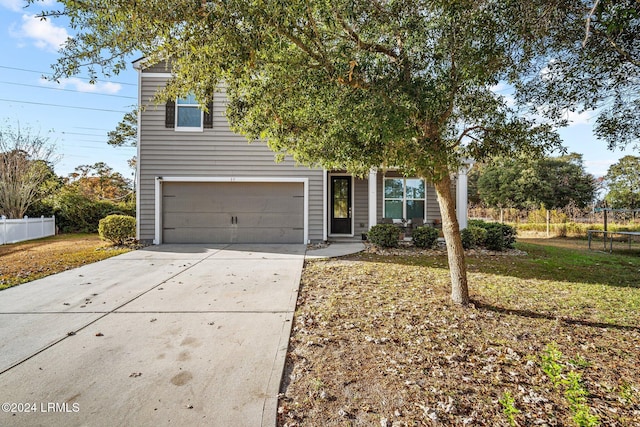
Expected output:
(26, 261)
(551, 338)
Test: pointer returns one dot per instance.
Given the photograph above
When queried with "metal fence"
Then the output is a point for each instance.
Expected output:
(610, 240)
(19, 230)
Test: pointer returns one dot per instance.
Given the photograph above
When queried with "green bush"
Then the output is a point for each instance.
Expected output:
(117, 228)
(424, 237)
(473, 236)
(499, 236)
(509, 233)
(495, 239)
(385, 235)
(77, 213)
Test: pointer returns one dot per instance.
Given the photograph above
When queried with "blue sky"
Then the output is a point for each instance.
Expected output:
(74, 114)
(77, 116)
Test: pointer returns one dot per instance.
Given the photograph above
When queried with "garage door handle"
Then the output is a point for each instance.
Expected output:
(234, 220)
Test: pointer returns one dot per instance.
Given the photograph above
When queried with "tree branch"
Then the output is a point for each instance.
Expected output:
(302, 46)
(453, 77)
(370, 47)
(588, 24)
(626, 55)
(588, 30)
(467, 132)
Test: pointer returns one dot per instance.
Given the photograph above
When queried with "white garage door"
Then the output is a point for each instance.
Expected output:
(233, 212)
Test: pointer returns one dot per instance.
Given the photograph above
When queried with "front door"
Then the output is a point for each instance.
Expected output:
(341, 205)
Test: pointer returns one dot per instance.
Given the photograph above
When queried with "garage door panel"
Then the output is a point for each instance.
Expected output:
(233, 212)
(196, 235)
(267, 234)
(270, 220)
(227, 189)
(177, 204)
(280, 205)
(236, 235)
(224, 220)
(197, 219)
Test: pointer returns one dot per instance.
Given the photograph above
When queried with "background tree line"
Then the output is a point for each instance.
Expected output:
(554, 183)
(29, 185)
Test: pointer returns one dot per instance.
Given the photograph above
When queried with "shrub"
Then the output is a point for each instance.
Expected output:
(473, 236)
(499, 236)
(494, 240)
(424, 237)
(508, 233)
(117, 228)
(385, 235)
(77, 213)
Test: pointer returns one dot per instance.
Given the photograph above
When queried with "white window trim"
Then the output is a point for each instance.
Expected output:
(178, 128)
(404, 197)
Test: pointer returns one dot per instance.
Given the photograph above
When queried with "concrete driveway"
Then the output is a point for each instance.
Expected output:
(168, 335)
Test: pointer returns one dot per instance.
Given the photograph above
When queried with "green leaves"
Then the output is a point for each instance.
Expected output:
(342, 84)
(525, 183)
(26, 169)
(623, 180)
(126, 131)
(588, 69)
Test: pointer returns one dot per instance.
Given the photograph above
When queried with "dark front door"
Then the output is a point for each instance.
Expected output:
(341, 205)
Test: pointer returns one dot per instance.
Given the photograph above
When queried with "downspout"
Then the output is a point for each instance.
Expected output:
(462, 194)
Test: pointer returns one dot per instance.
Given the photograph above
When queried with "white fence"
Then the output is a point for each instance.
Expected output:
(19, 230)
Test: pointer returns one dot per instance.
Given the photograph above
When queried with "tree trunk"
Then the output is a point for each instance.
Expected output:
(455, 251)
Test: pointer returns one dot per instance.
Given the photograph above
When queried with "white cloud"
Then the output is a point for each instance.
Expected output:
(506, 92)
(84, 86)
(43, 33)
(501, 87)
(599, 168)
(21, 5)
(582, 118)
(14, 5)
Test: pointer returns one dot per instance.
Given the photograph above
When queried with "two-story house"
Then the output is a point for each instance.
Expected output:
(198, 182)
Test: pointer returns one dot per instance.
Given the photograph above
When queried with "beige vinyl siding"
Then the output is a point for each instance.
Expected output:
(161, 67)
(361, 207)
(216, 152)
(433, 209)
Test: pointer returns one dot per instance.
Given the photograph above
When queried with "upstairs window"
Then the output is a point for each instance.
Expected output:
(188, 114)
(185, 114)
(404, 198)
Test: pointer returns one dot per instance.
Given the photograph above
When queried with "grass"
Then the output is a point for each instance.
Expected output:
(376, 340)
(26, 261)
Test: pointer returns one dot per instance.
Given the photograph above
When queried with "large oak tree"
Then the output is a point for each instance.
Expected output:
(352, 85)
